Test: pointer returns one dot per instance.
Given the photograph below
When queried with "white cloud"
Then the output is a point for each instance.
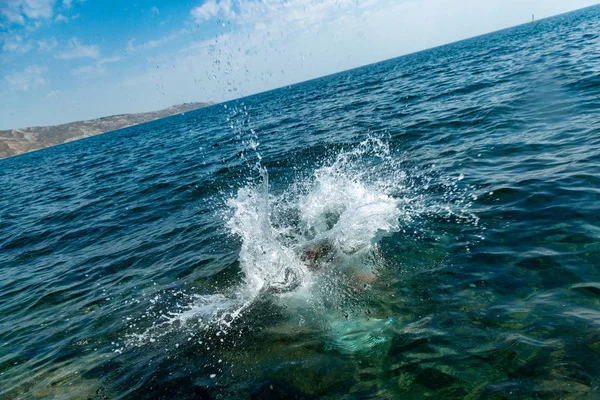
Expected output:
(89, 71)
(213, 9)
(292, 15)
(67, 4)
(37, 9)
(33, 26)
(47, 44)
(11, 15)
(16, 11)
(109, 60)
(155, 10)
(163, 40)
(52, 93)
(152, 44)
(130, 47)
(96, 70)
(31, 77)
(16, 44)
(31, 13)
(77, 50)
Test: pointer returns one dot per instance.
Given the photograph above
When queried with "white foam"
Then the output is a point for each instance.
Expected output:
(267, 264)
(336, 206)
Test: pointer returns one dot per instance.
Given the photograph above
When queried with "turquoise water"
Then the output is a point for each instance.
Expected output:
(428, 226)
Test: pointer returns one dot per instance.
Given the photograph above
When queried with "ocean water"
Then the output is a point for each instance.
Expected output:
(428, 226)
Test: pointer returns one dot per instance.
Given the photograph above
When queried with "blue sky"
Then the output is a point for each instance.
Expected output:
(66, 60)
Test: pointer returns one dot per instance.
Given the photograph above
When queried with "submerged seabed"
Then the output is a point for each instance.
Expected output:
(425, 226)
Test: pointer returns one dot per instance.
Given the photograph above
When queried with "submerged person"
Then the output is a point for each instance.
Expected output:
(318, 254)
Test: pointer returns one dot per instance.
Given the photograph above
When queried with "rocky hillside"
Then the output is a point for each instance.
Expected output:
(18, 141)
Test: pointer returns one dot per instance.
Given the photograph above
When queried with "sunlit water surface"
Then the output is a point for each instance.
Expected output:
(425, 226)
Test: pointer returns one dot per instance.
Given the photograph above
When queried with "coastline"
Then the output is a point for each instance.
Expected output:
(18, 141)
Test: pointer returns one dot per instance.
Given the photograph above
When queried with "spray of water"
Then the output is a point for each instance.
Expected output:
(306, 246)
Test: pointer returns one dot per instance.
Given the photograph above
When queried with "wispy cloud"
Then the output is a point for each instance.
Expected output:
(32, 14)
(152, 44)
(96, 70)
(130, 47)
(47, 44)
(294, 14)
(52, 93)
(109, 60)
(66, 4)
(89, 71)
(27, 79)
(78, 50)
(17, 11)
(64, 18)
(285, 16)
(213, 9)
(16, 44)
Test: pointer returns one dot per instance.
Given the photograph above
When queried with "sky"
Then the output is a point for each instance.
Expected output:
(68, 60)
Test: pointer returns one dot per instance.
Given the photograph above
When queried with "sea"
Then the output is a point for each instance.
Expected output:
(423, 227)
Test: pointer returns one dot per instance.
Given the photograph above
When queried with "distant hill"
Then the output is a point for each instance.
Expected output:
(19, 141)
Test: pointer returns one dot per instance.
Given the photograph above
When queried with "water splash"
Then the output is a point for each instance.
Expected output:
(267, 263)
(310, 246)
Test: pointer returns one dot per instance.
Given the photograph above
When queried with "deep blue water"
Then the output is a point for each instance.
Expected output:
(424, 226)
